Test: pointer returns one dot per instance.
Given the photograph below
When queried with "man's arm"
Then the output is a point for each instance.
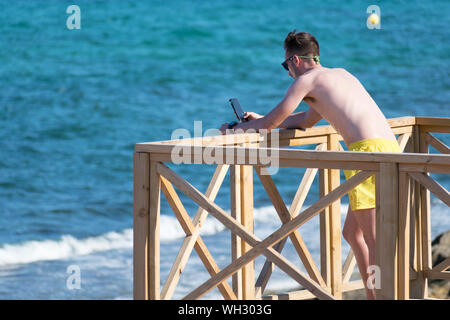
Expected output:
(294, 95)
(301, 120)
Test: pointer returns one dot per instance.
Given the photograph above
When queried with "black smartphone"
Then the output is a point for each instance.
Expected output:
(238, 110)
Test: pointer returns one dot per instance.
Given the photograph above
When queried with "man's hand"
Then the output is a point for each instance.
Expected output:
(255, 121)
(223, 128)
(252, 116)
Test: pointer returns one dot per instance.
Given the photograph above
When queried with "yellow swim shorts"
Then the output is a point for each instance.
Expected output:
(363, 196)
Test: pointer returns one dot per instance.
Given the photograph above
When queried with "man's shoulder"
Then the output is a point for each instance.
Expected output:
(320, 77)
(331, 71)
(319, 72)
(325, 75)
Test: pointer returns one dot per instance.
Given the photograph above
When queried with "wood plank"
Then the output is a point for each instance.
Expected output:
(402, 121)
(282, 232)
(387, 234)
(302, 141)
(192, 232)
(408, 167)
(353, 285)
(412, 257)
(235, 211)
(403, 140)
(154, 233)
(378, 247)
(250, 155)
(349, 266)
(327, 129)
(433, 121)
(296, 274)
(402, 130)
(444, 265)
(293, 295)
(266, 271)
(412, 275)
(177, 207)
(353, 156)
(309, 132)
(161, 157)
(403, 236)
(325, 256)
(192, 237)
(335, 226)
(229, 139)
(325, 164)
(305, 294)
(430, 274)
(440, 129)
(141, 181)
(417, 286)
(433, 186)
(425, 217)
(304, 187)
(248, 271)
(437, 144)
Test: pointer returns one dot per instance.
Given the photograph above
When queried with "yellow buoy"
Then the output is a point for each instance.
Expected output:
(374, 18)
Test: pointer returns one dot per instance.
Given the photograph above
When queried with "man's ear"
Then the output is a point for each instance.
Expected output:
(298, 61)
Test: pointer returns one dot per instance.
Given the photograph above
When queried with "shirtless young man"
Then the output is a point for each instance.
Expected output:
(338, 97)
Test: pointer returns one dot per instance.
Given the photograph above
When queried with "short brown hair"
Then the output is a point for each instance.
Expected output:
(301, 43)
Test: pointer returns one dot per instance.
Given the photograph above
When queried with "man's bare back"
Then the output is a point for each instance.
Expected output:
(337, 96)
(341, 99)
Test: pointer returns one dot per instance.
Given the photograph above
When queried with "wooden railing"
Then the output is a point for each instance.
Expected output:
(403, 183)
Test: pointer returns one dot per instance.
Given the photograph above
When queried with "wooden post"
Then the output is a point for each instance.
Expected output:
(141, 181)
(425, 219)
(387, 233)
(409, 148)
(235, 200)
(403, 237)
(378, 248)
(154, 236)
(419, 286)
(248, 272)
(335, 225)
(325, 264)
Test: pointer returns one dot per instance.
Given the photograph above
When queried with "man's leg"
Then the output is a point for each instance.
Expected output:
(366, 219)
(353, 233)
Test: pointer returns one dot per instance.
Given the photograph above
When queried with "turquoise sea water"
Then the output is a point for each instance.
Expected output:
(74, 102)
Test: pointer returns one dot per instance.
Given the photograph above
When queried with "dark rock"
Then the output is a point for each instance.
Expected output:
(440, 248)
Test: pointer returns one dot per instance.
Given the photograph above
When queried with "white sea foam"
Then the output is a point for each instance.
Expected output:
(69, 246)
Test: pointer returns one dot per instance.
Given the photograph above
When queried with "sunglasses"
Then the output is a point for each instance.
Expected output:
(285, 63)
